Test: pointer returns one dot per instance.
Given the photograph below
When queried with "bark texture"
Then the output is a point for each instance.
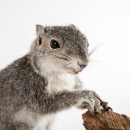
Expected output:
(106, 121)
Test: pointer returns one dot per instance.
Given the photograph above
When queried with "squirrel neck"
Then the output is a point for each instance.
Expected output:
(56, 81)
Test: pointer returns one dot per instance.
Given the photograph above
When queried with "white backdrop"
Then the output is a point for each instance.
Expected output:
(104, 22)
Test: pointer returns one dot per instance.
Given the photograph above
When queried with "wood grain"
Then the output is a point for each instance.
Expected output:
(106, 121)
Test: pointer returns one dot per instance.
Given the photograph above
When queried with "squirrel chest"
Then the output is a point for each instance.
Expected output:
(56, 83)
(60, 82)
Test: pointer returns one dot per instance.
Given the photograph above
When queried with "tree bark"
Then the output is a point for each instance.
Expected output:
(107, 121)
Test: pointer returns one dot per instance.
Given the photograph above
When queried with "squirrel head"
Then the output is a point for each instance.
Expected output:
(60, 48)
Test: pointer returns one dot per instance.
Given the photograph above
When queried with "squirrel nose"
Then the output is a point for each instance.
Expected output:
(82, 65)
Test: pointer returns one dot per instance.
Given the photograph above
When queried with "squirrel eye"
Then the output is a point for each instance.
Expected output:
(54, 44)
(40, 41)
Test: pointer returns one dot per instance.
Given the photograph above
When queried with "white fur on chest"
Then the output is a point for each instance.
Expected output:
(59, 82)
(44, 122)
(56, 83)
(39, 122)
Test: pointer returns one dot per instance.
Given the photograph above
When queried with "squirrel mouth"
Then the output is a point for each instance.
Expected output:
(77, 71)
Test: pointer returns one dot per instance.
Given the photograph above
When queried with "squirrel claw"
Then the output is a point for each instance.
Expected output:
(108, 108)
(105, 106)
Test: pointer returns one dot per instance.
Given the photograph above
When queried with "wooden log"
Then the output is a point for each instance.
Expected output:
(107, 121)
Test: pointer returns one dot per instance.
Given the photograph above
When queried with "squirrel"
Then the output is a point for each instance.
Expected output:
(45, 81)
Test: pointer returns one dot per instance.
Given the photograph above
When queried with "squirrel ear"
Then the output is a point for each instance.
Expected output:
(73, 26)
(39, 29)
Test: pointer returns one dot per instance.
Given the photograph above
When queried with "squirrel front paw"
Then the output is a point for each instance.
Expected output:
(92, 102)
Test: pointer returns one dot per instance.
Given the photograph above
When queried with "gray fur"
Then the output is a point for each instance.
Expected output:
(23, 84)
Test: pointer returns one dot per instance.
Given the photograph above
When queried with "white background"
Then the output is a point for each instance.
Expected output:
(104, 22)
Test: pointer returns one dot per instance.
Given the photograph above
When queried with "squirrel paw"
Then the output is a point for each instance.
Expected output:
(93, 102)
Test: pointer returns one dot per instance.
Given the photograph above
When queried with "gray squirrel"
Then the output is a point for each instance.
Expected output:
(45, 81)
